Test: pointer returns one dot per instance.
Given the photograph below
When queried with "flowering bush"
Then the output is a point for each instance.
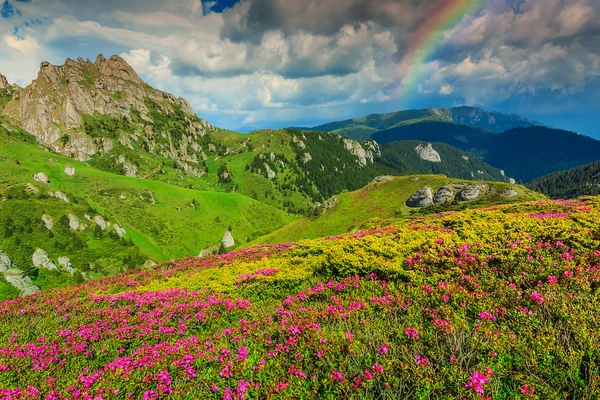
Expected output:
(480, 303)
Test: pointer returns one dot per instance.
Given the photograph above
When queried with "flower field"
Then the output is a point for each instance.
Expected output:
(499, 303)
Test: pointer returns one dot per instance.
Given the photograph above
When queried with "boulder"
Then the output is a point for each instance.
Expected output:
(41, 177)
(120, 231)
(5, 262)
(149, 264)
(48, 221)
(40, 259)
(59, 195)
(21, 281)
(471, 192)
(73, 222)
(32, 188)
(69, 170)
(66, 264)
(427, 153)
(509, 192)
(512, 181)
(270, 173)
(384, 178)
(227, 240)
(421, 198)
(444, 195)
(98, 220)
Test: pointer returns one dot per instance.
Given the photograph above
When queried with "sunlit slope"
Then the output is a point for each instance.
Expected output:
(386, 200)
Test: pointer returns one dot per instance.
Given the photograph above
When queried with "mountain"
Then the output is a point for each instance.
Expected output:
(103, 113)
(104, 223)
(569, 184)
(293, 169)
(502, 301)
(389, 198)
(523, 153)
(364, 127)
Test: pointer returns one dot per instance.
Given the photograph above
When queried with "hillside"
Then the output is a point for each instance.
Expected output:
(569, 184)
(293, 169)
(500, 303)
(106, 223)
(523, 153)
(386, 199)
(365, 127)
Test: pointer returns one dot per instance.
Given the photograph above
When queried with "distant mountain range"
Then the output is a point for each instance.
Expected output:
(523, 148)
(364, 127)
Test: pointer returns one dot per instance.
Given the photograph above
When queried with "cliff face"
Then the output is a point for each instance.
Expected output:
(3, 82)
(56, 108)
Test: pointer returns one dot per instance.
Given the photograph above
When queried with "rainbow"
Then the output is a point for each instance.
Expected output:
(427, 38)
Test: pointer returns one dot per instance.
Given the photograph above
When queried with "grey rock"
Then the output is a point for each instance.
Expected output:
(427, 153)
(383, 178)
(444, 195)
(32, 188)
(5, 262)
(510, 192)
(98, 220)
(64, 262)
(471, 192)
(40, 259)
(421, 198)
(307, 157)
(149, 264)
(59, 195)
(361, 154)
(69, 170)
(73, 222)
(48, 221)
(41, 177)
(270, 173)
(3, 82)
(120, 231)
(21, 281)
(512, 181)
(227, 240)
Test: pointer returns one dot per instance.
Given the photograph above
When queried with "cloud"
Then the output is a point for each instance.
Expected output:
(270, 61)
(27, 44)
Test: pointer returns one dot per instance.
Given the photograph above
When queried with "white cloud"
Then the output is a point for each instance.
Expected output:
(27, 44)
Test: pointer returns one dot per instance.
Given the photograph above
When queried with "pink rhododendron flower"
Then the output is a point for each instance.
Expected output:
(537, 297)
(476, 382)
(412, 332)
(383, 349)
(337, 376)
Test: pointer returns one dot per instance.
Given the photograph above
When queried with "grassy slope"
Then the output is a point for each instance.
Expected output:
(504, 298)
(170, 228)
(379, 201)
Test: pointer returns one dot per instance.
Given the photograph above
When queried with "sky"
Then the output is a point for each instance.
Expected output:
(250, 64)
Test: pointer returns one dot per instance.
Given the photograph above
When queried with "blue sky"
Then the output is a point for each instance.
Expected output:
(252, 64)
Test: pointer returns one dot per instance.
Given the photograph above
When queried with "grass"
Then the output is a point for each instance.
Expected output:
(162, 220)
(490, 303)
(379, 202)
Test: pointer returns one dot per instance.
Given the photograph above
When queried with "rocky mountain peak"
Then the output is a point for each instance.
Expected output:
(54, 107)
(3, 82)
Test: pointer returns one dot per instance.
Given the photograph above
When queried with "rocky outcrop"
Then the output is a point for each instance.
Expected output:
(73, 222)
(472, 192)
(3, 82)
(53, 105)
(427, 153)
(30, 187)
(509, 192)
(421, 198)
(16, 277)
(48, 221)
(120, 231)
(383, 178)
(444, 195)
(363, 155)
(21, 281)
(41, 177)
(40, 259)
(64, 262)
(227, 240)
(307, 157)
(70, 170)
(59, 195)
(270, 173)
(98, 220)
(5, 262)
